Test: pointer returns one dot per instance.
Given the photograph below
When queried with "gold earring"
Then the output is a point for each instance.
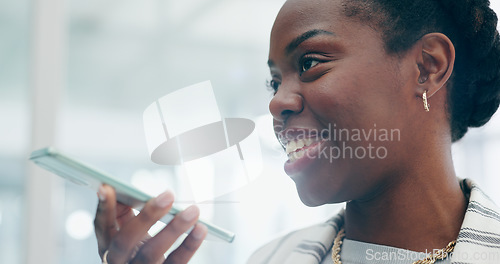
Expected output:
(426, 104)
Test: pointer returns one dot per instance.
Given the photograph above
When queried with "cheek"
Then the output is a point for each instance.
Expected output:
(357, 91)
(339, 97)
(375, 93)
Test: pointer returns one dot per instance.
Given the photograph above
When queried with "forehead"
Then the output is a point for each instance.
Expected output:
(301, 15)
(297, 17)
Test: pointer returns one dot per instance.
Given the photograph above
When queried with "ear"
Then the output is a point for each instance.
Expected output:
(435, 63)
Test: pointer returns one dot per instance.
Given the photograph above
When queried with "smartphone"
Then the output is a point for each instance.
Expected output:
(82, 174)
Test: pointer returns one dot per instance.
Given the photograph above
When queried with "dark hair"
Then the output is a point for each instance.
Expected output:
(474, 93)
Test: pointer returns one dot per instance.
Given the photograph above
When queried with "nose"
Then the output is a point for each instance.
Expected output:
(286, 102)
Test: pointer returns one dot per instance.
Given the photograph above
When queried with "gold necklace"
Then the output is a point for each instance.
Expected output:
(439, 255)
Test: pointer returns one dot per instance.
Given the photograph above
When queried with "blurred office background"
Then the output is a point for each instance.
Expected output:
(78, 75)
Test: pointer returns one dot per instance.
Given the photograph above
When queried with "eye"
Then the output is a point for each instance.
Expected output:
(273, 85)
(308, 63)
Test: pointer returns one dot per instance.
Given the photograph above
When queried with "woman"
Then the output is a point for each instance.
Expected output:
(368, 97)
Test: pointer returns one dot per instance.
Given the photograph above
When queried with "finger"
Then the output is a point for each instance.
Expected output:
(159, 244)
(135, 229)
(123, 214)
(189, 246)
(105, 225)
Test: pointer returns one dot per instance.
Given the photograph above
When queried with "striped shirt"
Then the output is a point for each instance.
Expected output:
(478, 241)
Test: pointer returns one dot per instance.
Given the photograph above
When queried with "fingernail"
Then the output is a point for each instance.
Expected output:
(165, 199)
(101, 193)
(190, 213)
(199, 231)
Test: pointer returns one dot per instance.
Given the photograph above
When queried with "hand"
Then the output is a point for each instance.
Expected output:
(125, 236)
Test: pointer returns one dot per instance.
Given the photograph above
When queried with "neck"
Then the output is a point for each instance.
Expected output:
(422, 212)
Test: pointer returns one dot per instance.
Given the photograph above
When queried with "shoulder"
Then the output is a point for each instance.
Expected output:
(312, 242)
(480, 206)
(479, 237)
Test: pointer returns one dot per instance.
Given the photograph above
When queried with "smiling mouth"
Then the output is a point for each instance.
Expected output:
(296, 149)
(297, 141)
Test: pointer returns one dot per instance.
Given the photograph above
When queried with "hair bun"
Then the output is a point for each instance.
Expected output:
(478, 80)
(487, 97)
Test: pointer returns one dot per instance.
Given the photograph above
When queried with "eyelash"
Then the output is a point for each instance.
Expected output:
(273, 85)
(305, 59)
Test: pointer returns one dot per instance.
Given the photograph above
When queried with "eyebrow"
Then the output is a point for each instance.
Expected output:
(305, 36)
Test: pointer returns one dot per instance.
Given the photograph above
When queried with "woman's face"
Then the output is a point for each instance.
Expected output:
(341, 105)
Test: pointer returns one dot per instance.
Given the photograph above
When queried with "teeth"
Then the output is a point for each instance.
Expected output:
(300, 144)
(291, 147)
(294, 145)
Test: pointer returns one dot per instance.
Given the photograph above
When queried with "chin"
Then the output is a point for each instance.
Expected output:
(310, 197)
(317, 195)
(310, 202)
